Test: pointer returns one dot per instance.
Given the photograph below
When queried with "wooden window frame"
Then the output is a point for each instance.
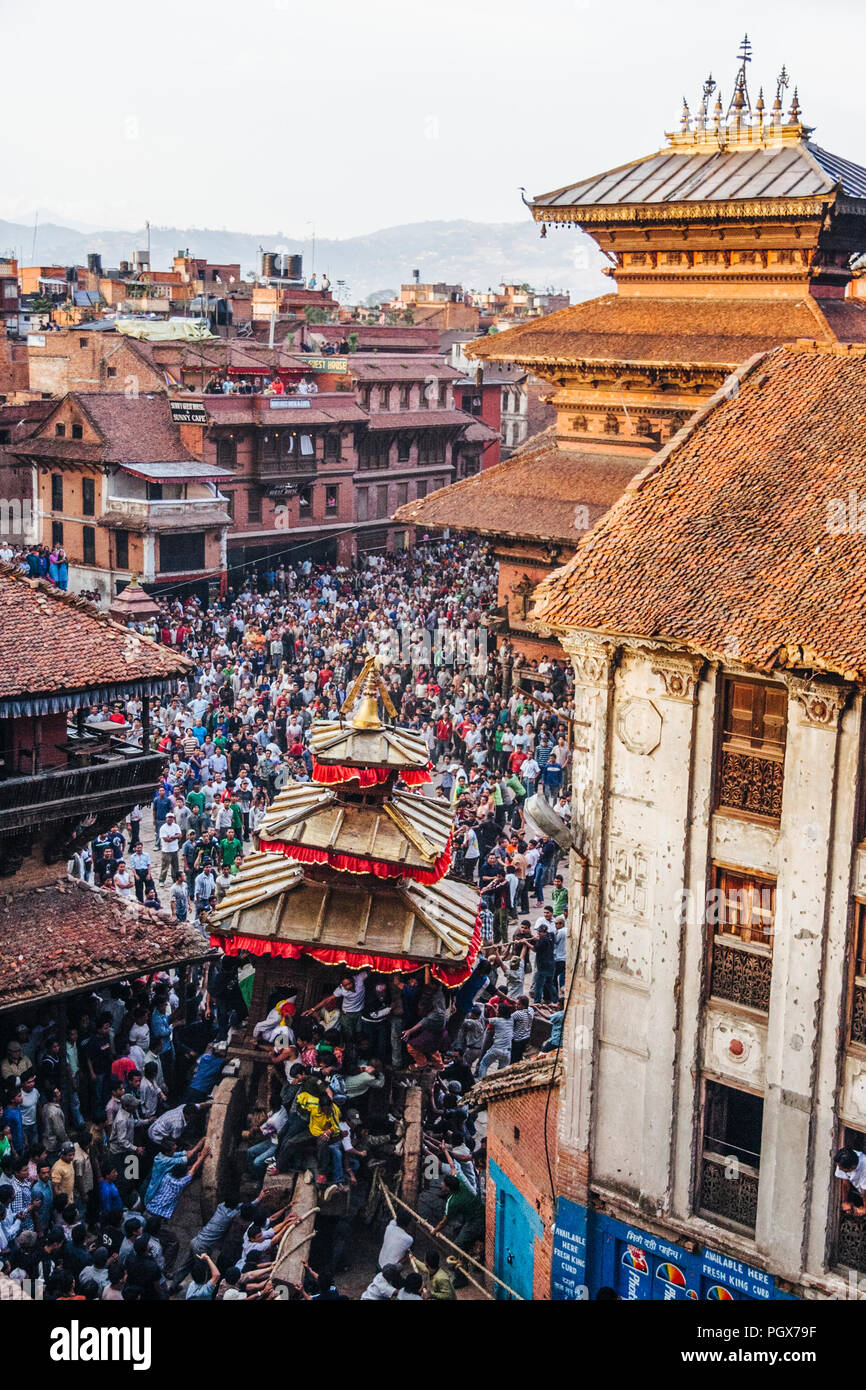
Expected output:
(765, 753)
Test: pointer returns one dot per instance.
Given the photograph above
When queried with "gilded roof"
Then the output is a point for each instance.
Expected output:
(405, 829)
(738, 538)
(338, 741)
(272, 899)
(773, 171)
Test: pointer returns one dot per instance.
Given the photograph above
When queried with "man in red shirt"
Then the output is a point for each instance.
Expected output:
(444, 731)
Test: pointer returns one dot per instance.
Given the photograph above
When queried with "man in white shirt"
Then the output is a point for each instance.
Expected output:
(396, 1242)
(170, 836)
(545, 922)
(851, 1168)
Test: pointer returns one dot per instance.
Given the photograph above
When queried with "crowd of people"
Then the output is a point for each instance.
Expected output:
(103, 1131)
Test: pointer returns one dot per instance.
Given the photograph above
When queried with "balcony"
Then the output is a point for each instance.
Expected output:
(171, 514)
(750, 784)
(851, 1242)
(741, 974)
(292, 468)
(109, 777)
(729, 1189)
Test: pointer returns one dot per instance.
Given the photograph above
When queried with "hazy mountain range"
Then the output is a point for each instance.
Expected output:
(478, 255)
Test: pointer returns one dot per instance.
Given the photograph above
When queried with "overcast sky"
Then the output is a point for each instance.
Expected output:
(269, 115)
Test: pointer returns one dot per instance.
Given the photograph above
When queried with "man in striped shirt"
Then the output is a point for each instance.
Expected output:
(164, 1200)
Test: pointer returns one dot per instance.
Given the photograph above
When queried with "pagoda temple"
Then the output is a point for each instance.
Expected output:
(350, 868)
(736, 237)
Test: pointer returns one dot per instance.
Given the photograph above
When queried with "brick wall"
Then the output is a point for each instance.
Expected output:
(515, 1141)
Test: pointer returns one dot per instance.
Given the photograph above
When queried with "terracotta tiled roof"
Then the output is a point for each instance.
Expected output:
(532, 494)
(52, 642)
(522, 1076)
(718, 332)
(416, 419)
(726, 543)
(391, 366)
(131, 430)
(136, 430)
(69, 936)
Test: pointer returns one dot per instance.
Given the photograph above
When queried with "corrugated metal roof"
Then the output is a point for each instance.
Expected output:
(798, 170)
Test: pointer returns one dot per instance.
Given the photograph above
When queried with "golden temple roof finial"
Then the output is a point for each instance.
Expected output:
(740, 103)
(781, 83)
(759, 111)
(706, 92)
(686, 118)
(371, 688)
(795, 114)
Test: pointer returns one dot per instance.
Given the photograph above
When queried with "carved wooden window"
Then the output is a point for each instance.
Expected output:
(611, 424)
(850, 1242)
(858, 1002)
(730, 1155)
(752, 751)
(578, 423)
(644, 426)
(740, 919)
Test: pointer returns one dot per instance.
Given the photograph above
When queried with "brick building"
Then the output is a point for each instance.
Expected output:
(117, 487)
(521, 1103)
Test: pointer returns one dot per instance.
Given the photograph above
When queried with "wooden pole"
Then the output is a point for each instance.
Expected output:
(437, 1235)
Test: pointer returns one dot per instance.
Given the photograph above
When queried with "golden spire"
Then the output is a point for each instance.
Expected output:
(366, 715)
(371, 687)
(795, 114)
(686, 119)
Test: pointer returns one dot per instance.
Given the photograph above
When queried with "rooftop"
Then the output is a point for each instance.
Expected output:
(125, 430)
(736, 540)
(729, 151)
(69, 936)
(532, 494)
(659, 331)
(52, 644)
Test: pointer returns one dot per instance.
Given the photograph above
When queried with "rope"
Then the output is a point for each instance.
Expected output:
(437, 1235)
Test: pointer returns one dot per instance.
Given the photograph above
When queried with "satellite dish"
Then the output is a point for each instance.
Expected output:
(547, 820)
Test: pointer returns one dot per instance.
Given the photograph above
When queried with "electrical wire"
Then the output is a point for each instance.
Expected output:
(553, 1073)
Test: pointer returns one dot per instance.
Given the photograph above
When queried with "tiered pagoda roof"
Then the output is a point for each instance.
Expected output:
(351, 867)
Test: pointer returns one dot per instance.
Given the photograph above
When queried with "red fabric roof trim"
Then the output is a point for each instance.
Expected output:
(449, 975)
(416, 777)
(367, 776)
(356, 864)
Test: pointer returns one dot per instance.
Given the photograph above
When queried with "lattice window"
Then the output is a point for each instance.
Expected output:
(752, 753)
(740, 919)
(731, 1155)
(850, 1243)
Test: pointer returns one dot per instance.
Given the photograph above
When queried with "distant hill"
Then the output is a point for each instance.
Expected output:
(478, 255)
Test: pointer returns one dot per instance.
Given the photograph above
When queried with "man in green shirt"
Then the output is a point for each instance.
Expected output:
(230, 848)
(464, 1212)
(560, 897)
(195, 801)
(438, 1280)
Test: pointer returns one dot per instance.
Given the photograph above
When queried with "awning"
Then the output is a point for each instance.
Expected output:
(167, 472)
